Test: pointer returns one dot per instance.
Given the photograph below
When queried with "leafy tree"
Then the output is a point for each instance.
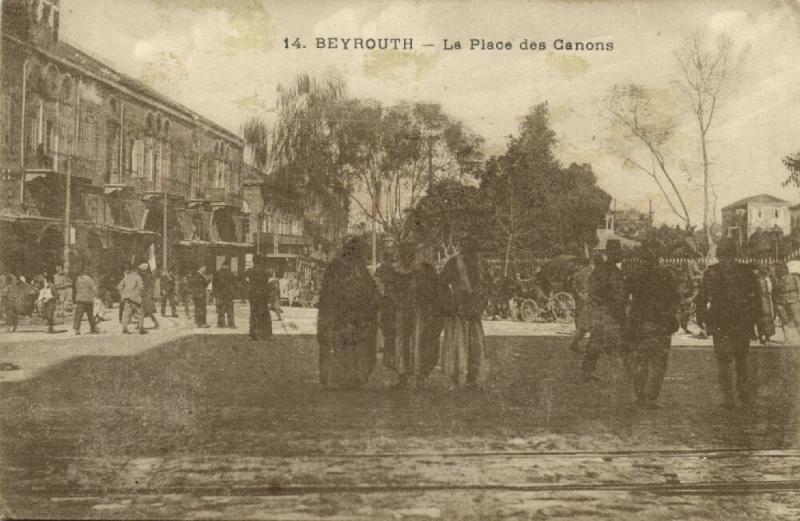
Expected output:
(447, 214)
(540, 207)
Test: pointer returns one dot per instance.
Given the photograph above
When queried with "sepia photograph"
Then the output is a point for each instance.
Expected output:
(400, 260)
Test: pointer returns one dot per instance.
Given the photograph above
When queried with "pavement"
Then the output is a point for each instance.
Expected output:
(205, 424)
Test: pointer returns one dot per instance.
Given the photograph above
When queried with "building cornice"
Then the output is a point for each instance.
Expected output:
(167, 105)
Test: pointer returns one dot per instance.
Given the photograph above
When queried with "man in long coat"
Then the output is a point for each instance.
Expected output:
(224, 291)
(197, 283)
(608, 300)
(653, 319)
(347, 323)
(259, 296)
(731, 291)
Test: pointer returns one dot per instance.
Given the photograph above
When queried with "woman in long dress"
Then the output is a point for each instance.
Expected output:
(347, 321)
(463, 346)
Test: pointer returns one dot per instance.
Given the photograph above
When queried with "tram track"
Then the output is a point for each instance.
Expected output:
(657, 471)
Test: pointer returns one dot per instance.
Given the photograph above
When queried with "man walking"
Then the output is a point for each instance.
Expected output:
(275, 295)
(653, 319)
(197, 288)
(259, 297)
(608, 299)
(224, 290)
(168, 293)
(85, 291)
(130, 291)
(148, 294)
(730, 291)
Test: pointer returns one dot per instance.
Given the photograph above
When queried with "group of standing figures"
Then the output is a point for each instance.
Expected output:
(634, 316)
(407, 305)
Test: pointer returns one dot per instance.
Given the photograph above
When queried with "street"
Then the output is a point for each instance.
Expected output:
(177, 424)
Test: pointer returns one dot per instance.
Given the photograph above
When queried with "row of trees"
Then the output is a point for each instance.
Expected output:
(410, 168)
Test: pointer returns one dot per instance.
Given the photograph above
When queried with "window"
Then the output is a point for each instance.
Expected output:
(776, 213)
(759, 214)
(137, 158)
(49, 136)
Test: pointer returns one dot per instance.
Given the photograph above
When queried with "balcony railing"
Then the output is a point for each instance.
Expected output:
(222, 196)
(59, 163)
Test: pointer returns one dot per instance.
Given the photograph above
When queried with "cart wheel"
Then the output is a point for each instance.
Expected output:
(529, 310)
(562, 305)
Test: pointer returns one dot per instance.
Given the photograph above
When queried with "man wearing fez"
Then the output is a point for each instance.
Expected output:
(729, 300)
(608, 299)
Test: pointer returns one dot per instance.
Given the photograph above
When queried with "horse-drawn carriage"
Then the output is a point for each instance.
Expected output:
(546, 296)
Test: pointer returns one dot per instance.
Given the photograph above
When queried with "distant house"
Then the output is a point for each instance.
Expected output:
(763, 212)
(607, 230)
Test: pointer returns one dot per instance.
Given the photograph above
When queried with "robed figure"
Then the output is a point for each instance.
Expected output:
(463, 348)
(347, 320)
(417, 295)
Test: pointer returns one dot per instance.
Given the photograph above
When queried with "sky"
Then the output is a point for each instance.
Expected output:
(226, 58)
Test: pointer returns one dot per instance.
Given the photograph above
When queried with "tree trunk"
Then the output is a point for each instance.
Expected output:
(508, 254)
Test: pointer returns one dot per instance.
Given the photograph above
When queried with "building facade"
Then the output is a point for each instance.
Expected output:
(765, 213)
(150, 180)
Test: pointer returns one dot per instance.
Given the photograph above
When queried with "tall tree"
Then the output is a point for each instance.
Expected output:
(541, 207)
(298, 155)
(642, 128)
(706, 77)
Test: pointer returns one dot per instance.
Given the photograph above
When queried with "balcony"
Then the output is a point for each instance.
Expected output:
(222, 197)
(55, 165)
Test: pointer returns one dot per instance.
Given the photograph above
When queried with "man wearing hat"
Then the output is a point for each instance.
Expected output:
(608, 300)
(224, 287)
(729, 299)
(653, 319)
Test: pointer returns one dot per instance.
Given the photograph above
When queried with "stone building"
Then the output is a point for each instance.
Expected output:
(139, 164)
(763, 212)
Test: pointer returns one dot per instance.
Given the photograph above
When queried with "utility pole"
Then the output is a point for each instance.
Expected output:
(68, 195)
(164, 228)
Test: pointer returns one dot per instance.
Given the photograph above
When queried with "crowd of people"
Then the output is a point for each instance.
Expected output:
(634, 314)
(420, 317)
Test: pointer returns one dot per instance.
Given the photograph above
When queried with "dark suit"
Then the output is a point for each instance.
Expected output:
(608, 299)
(224, 291)
(197, 288)
(729, 300)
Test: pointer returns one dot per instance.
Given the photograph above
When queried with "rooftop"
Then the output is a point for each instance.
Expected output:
(760, 198)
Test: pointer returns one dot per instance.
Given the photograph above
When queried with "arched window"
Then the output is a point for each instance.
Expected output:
(66, 90)
(149, 123)
(166, 128)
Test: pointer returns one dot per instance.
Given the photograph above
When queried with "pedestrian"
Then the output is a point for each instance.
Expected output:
(786, 297)
(130, 290)
(654, 303)
(184, 294)
(84, 293)
(259, 296)
(275, 295)
(168, 293)
(197, 283)
(125, 272)
(387, 279)
(731, 291)
(347, 323)
(608, 299)
(463, 352)
(47, 303)
(765, 312)
(224, 291)
(579, 285)
(432, 300)
(63, 285)
(292, 289)
(148, 294)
